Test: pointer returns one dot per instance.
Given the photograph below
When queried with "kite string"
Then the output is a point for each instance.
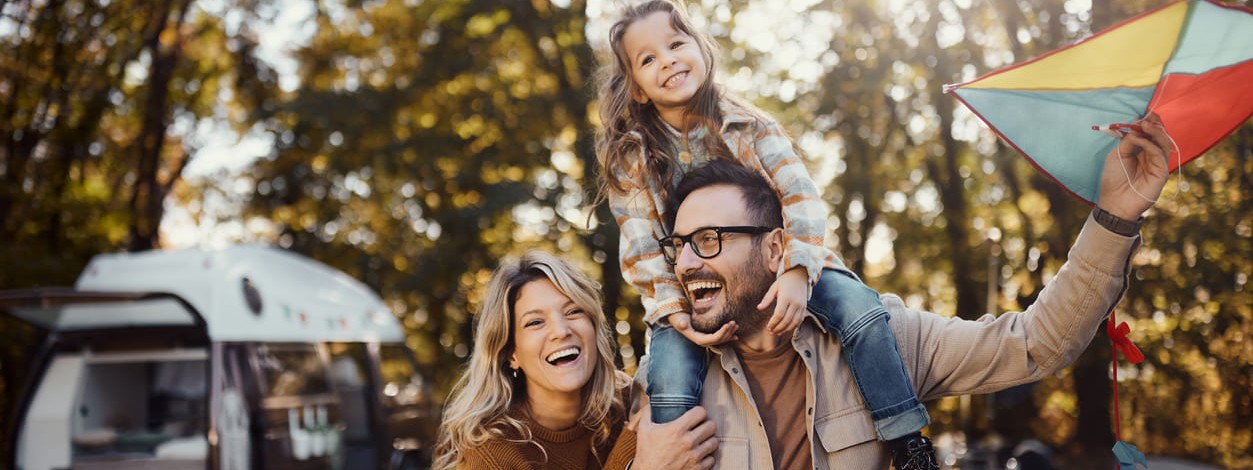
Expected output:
(1114, 371)
(1179, 169)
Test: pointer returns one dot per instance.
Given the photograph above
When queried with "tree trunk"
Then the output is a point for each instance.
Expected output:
(1093, 433)
(950, 182)
(20, 143)
(857, 182)
(147, 200)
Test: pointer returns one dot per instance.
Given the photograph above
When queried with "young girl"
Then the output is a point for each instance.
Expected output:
(663, 115)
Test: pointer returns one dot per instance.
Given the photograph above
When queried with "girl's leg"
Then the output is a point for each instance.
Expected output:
(852, 311)
(676, 374)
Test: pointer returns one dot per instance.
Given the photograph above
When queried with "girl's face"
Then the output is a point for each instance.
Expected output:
(554, 343)
(666, 64)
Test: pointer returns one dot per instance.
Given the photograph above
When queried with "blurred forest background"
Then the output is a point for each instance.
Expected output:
(413, 143)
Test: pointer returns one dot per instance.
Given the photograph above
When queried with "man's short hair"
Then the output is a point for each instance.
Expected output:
(764, 208)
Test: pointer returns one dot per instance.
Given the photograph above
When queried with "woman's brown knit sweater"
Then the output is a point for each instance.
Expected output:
(570, 449)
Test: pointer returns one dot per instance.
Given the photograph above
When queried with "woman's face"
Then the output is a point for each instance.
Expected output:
(554, 342)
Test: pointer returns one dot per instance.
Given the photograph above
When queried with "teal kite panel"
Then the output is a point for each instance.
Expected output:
(1208, 27)
(1020, 115)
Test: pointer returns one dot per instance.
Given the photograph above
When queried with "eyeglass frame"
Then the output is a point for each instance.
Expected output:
(719, 230)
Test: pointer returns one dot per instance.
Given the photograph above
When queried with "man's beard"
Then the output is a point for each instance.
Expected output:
(741, 303)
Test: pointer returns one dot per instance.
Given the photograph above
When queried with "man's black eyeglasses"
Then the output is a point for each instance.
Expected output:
(706, 241)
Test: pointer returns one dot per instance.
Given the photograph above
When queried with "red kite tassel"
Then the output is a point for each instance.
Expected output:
(1122, 343)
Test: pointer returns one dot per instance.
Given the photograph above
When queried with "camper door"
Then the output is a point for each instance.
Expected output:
(120, 380)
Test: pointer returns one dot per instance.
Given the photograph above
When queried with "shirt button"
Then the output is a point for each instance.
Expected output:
(735, 370)
(811, 411)
(808, 354)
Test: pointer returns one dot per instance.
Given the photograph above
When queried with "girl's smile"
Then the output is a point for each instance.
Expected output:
(675, 80)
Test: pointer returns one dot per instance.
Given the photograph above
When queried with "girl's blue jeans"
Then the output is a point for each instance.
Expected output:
(847, 308)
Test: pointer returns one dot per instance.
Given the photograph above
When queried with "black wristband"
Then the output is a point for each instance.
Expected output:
(1116, 224)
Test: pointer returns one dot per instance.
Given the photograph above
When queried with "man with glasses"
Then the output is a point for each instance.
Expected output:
(759, 388)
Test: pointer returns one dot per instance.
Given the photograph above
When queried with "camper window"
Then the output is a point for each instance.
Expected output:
(293, 370)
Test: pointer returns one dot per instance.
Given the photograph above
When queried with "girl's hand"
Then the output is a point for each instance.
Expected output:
(789, 294)
(683, 323)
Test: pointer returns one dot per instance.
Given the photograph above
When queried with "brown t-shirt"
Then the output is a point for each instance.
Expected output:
(777, 380)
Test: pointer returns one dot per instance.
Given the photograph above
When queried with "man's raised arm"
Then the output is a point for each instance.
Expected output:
(949, 356)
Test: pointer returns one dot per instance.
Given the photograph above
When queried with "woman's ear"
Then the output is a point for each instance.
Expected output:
(513, 361)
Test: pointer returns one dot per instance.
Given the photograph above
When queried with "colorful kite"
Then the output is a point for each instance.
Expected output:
(1191, 62)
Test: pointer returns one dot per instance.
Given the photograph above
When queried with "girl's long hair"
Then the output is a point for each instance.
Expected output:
(633, 130)
(477, 411)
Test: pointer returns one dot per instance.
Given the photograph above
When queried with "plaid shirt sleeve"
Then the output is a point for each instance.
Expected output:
(643, 266)
(804, 211)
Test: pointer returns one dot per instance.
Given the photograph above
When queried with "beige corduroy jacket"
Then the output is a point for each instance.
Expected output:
(944, 356)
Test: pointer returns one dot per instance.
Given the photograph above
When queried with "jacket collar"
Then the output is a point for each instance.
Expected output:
(733, 115)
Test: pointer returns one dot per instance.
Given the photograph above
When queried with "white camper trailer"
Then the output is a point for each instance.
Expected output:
(246, 357)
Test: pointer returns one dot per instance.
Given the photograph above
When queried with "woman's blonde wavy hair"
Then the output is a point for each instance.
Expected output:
(630, 129)
(477, 411)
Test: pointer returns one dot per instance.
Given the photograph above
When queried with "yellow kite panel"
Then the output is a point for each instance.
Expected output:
(1129, 55)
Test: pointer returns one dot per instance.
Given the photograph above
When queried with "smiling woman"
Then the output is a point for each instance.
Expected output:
(553, 338)
(541, 388)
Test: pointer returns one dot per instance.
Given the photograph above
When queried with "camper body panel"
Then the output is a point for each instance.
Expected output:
(296, 299)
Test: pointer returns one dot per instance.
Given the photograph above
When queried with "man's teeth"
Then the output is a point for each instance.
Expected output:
(703, 285)
(554, 357)
(703, 289)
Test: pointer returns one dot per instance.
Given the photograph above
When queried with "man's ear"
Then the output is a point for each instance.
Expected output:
(772, 249)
